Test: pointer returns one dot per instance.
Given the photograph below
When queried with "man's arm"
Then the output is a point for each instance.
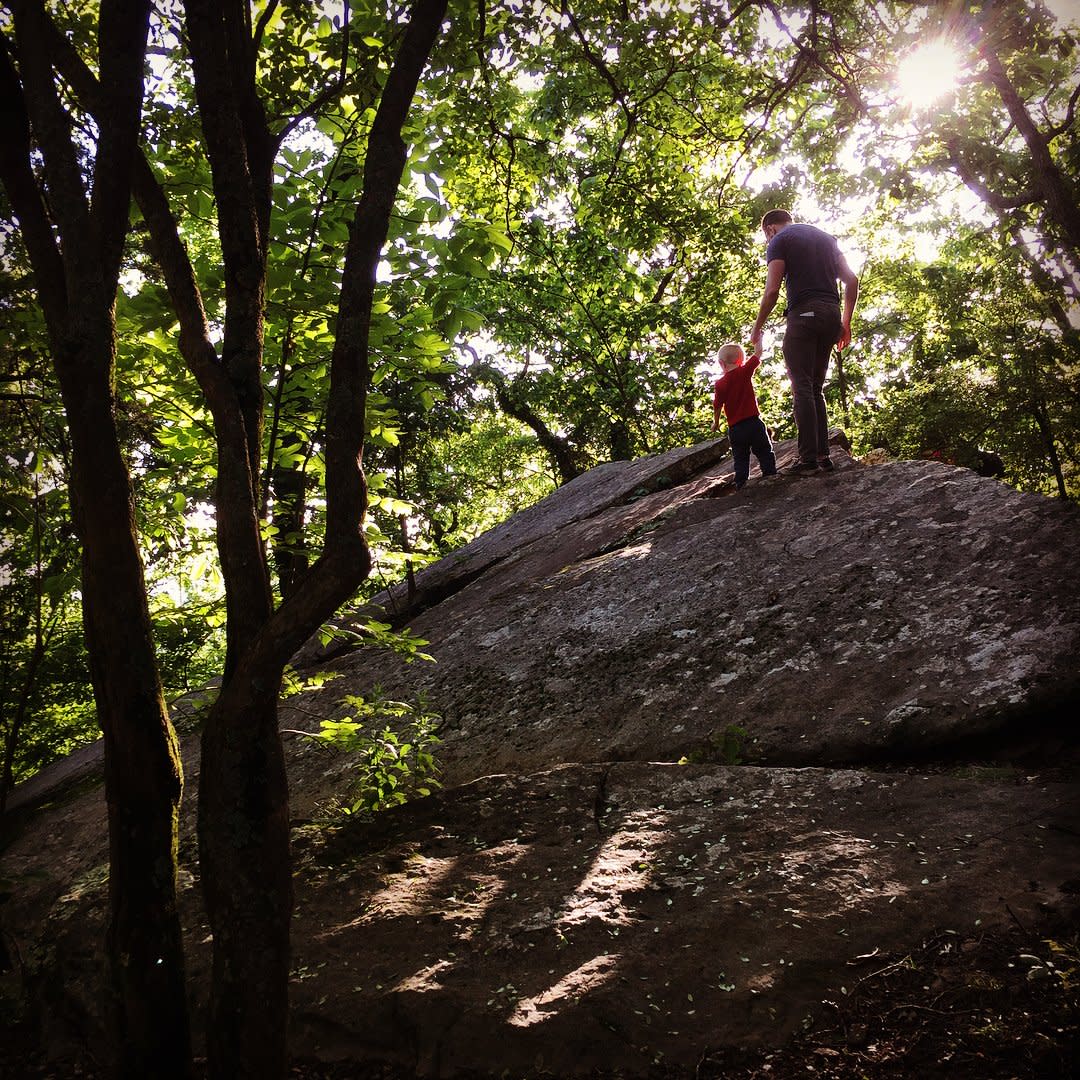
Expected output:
(851, 294)
(774, 278)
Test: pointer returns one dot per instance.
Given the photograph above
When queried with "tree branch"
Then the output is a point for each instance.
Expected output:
(264, 21)
(50, 124)
(25, 195)
(330, 93)
(992, 198)
(1070, 116)
(1056, 192)
(122, 32)
(240, 151)
(167, 248)
(384, 165)
(617, 92)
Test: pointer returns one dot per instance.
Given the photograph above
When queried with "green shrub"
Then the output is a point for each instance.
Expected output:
(394, 744)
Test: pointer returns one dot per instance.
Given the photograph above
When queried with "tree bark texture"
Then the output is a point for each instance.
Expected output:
(240, 150)
(1058, 196)
(76, 284)
(243, 793)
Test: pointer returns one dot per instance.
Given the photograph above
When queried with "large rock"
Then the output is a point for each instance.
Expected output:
(586, 496)
(880, 613)
(616, 917)
(581, 902)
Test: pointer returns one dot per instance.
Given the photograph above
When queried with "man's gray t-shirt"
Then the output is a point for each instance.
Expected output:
(811, 263)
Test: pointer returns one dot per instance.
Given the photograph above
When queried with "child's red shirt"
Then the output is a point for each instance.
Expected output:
(734, 390)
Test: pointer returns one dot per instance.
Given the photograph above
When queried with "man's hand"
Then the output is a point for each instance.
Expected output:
(755, 342)
(845, 337)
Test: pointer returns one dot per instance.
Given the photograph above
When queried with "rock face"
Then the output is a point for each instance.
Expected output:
(615, 917)
(871, 615)
(834, 661)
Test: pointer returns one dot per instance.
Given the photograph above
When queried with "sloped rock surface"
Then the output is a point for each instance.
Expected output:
(875, 614)
(591, 493)
(580, 902)
(615, 917)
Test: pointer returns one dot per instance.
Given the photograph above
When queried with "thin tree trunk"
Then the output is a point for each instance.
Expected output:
(403, 525)
(142, 761)
(841, 386)
(1042, 420)
(290, 500)
(29, 682)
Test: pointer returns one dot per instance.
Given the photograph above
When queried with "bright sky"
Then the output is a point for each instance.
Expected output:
(1066, 11)
(926, 75)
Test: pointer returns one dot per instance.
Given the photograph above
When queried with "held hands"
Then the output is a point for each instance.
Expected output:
(845, 337)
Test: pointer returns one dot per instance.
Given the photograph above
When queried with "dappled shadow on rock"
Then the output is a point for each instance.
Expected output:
(631, 917)
(983, 1006)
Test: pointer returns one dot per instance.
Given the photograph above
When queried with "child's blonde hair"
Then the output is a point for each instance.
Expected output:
(731, 351)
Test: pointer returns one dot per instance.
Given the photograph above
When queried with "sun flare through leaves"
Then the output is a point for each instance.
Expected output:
(928, 74)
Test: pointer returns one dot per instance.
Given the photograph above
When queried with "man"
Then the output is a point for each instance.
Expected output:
(808, 262)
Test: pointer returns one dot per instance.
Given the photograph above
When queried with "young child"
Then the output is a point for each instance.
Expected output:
(734, 393)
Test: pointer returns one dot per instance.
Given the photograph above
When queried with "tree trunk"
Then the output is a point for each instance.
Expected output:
(243, 791)
(841, 386)
(290, 499)
(247, 876)
(142, 761)
(620, 441)
(37, 655)
(75, 281)
(1058, 196)
(243, 820)
(1042, 420)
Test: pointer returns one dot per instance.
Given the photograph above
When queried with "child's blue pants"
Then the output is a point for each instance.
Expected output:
(746, 435)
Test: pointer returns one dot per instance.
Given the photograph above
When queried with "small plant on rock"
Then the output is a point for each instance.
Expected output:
(394, 743)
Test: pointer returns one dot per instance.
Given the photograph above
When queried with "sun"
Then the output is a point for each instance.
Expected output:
(928, 73)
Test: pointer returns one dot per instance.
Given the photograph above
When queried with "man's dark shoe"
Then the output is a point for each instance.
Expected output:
(803, 468)
(826, 464)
